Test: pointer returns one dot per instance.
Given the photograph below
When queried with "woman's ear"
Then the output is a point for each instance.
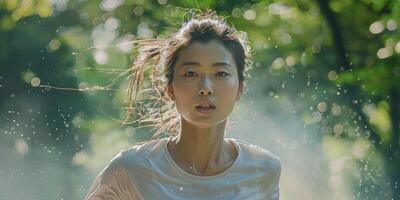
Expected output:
(170, 92)
(242, 86)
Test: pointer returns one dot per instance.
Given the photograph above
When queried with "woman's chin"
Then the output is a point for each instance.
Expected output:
(205, 123)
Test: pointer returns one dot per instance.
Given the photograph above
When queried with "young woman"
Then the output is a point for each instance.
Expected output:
(198, 73)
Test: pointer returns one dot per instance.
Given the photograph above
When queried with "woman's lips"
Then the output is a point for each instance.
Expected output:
(205, 110)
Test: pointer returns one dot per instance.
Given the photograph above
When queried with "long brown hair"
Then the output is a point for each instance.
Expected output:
(156, 58)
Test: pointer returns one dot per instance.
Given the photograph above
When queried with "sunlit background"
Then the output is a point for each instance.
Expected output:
(323, 94)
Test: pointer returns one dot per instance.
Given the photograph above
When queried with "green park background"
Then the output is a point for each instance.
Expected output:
(323, 93)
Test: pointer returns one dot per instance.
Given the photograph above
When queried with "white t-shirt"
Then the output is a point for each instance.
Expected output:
(148, 172)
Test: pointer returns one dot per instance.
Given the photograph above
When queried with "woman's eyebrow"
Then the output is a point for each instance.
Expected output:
(217, 64)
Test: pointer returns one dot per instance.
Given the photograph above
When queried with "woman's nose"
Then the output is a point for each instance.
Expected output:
(206, 86)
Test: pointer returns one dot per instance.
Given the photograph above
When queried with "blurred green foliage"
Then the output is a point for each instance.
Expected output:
(334, 65)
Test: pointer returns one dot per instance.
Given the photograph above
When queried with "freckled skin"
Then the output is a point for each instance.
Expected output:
(204, 71)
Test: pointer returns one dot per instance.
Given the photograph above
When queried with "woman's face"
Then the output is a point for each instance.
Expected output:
(205, 74)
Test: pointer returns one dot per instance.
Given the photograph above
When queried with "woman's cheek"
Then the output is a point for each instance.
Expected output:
(229, 88)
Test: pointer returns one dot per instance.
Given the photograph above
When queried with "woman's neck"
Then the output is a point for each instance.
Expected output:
(202, 151)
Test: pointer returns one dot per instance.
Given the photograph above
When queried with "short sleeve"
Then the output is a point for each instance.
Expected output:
(274, 195)
(113, 183)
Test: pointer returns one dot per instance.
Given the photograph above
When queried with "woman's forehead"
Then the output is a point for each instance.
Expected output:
(212, 52)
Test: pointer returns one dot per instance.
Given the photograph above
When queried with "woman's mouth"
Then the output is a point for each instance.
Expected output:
(205, 109)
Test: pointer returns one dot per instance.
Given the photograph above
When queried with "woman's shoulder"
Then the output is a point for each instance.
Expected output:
(262, 156)
(138, 152)
(130, 158)
(115, 181)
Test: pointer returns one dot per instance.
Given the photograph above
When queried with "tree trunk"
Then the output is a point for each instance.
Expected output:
(393, 155)
(344, 64)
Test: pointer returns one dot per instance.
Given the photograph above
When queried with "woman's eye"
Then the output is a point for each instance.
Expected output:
(223, 74)
(189, 74)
